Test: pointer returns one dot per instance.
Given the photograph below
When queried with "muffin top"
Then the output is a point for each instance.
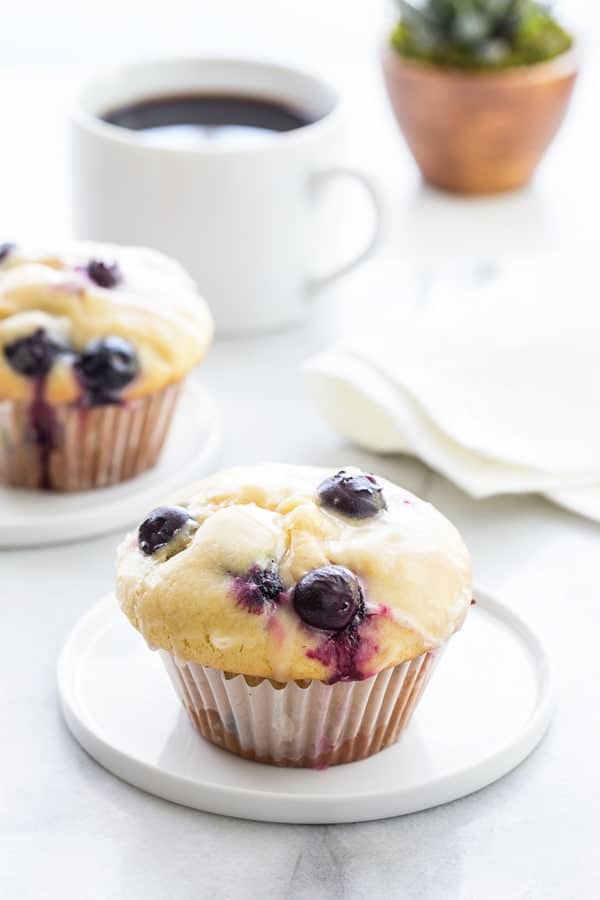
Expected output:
(291, 572)
(96, 322)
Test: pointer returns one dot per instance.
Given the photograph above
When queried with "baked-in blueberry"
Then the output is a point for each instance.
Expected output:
(258, 587)
(328, 598)
(267, 581)
(34, 355)
(160, 527)
(357, 496)
(5, 250)
(106, 275)
(106, 366)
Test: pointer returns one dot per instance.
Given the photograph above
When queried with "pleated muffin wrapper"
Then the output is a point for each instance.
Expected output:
(306, 724)
(76, 448)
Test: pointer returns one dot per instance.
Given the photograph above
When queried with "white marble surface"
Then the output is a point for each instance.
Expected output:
(69, 830)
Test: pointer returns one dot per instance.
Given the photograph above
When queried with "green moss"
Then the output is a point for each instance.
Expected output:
(538, 39)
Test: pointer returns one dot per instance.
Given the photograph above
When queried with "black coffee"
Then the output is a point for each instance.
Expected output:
(188, 118)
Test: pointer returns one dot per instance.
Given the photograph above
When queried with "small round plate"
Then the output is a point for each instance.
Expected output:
(487, 707)
(33, 518)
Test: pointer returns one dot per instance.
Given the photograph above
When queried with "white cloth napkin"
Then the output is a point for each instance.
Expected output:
(494, 382)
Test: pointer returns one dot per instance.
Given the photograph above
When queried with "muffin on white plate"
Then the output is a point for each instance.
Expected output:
(299, 611)
(95, 342)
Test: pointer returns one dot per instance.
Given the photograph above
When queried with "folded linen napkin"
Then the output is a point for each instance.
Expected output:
(494, 383)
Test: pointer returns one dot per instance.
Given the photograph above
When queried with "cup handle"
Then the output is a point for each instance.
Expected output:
(318, 181)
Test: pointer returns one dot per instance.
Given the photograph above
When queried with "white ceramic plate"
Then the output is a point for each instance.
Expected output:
(488, 705)
(33, 518)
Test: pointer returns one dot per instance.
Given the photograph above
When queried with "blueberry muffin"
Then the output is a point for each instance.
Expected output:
(299, 611)
(95, 342)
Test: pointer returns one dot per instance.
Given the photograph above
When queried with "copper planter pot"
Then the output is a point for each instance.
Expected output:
(478, 132)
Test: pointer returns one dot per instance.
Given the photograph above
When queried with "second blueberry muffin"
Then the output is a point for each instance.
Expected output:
(95, 341)
(299, 611)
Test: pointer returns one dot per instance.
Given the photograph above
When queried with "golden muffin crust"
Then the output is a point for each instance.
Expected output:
(207, 595)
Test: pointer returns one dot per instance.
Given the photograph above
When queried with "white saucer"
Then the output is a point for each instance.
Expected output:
(33, 518)
(487, 707)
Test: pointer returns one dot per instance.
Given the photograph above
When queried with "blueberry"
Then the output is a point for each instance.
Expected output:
(328, 598)
(160, 527)
(357, 496)
(33, 355)
(6, 250)
(107, 365)
(106, 275)
(257, 587)
(267, 581)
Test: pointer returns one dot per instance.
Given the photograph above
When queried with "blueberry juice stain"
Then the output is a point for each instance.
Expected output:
(346, 654)
(33, 357)
(44, 430)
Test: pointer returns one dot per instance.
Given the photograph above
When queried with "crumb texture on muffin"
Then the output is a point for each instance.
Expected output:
(108, 322)
(273, 571)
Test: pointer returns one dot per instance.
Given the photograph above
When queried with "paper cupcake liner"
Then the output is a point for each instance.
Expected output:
(76, 448)
(302, 723)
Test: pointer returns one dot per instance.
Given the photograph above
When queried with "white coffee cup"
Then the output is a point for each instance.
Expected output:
(241, 218)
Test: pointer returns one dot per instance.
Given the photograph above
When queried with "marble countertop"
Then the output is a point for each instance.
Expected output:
(71, 831)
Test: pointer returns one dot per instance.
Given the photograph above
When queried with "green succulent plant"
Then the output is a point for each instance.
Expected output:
(479, 33)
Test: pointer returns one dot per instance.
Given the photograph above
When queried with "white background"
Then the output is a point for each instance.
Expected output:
(69, 31)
